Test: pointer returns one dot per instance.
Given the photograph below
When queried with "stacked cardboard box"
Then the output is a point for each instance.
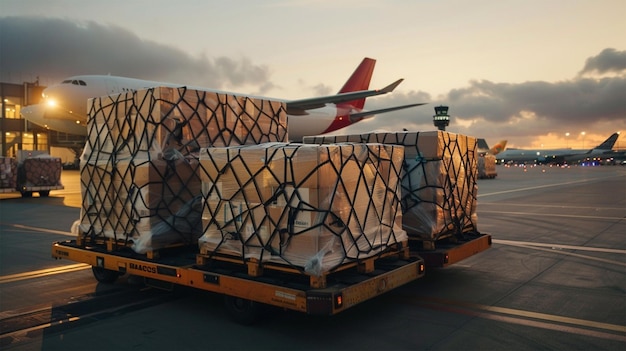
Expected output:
(42, 170)
(8, 173)
(311, 207)
(439, 187)
(152, 203)
(139, 170)
(487, 166)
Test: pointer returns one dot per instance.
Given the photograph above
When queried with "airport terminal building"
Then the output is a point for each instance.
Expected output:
(18, 134)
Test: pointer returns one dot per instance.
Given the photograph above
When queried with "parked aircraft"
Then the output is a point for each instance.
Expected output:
(556, 155)
(64, 107)
(483, 148)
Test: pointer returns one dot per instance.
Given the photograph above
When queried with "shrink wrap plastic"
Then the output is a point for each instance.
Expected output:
(310, 207)
(487, 166)
(140, 181)
(42, 170)
(8, 172)
(439, 188)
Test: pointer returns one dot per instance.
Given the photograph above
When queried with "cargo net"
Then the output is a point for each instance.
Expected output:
(309, 207)
(144, 203)
(139, 169)
(486, 166)
(42, 170)
(439, 188)
(8, 173)
(187, 119)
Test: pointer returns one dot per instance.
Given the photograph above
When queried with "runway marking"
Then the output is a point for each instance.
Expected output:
(37, 229)
(483, 203)
(558, 246)
(527, 318)
(543, 186)
(554, 247)
(43, 272)
(550, 215)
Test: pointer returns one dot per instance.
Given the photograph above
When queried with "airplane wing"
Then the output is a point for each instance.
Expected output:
(299, 107)
(358, 116)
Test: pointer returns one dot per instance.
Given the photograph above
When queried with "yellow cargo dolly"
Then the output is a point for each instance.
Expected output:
(242, 291)
(245, 291)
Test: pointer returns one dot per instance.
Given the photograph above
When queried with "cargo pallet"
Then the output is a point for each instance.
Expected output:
(246, 289)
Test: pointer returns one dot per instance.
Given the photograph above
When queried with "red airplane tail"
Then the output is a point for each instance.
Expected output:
(359, 80)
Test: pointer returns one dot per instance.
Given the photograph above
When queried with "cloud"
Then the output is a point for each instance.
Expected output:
(521, 112)
(55, 48)
(608, 61)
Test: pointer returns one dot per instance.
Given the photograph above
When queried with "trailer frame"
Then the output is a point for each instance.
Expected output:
(244, 291)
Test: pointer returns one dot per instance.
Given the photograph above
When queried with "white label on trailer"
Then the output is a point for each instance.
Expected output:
(285, 295)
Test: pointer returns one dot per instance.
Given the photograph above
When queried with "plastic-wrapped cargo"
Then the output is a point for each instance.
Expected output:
(40, 170)
(439, 186)
(8, 173)
(152, 119)
(487, 166)
(307, 206)
(139, 170)
(147, 203)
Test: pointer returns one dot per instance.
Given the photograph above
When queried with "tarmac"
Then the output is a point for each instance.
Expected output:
(554, 279)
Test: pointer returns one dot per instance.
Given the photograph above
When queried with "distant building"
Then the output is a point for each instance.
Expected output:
(441, 119)
(18, 134)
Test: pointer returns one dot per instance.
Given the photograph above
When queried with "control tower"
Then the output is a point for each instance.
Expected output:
(441, 119)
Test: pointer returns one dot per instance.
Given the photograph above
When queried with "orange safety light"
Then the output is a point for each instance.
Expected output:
(338, 301)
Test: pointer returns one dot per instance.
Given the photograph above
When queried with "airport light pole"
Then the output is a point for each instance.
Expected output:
(583, 134)
(567, 140)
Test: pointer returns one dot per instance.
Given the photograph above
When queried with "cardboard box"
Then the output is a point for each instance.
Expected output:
(439, 187)
(326, 205)
(8, 173)
(151, 203)
(40, 171)
(140, 178)
(154, 119)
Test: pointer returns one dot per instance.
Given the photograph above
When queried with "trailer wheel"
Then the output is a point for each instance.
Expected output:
(242, 311)
(44, 193)
(104, 275)
(26, 193)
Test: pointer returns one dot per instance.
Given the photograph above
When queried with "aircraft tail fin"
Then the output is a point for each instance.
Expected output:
(608, 143)
(359, 80)
(482, 145)
(498, 148)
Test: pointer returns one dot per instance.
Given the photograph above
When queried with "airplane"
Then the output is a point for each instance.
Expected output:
(64, 106)
(557, 155)
(483, 148)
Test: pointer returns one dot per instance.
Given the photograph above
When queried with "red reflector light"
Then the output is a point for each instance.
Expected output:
(338, 301)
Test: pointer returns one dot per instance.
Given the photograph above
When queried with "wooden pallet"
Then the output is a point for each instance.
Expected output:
(257, 268)
(112, 245)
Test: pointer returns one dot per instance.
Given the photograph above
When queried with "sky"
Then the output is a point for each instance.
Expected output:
(537, 73)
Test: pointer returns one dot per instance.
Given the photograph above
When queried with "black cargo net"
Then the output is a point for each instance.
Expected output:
(439, 188)
(139, 170)
(40, 171)
(8, 173)
(312, 208)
